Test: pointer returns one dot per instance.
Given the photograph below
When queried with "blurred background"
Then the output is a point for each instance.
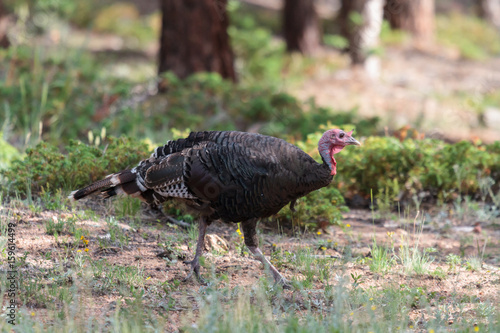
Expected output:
(395, 67)
(90, 87)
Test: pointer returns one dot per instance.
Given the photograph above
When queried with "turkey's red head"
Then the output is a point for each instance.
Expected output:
(332, 142)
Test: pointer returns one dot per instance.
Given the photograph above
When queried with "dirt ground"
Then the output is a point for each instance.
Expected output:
(424, 95)
(350, 244)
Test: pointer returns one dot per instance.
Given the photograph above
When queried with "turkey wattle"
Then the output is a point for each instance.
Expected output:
(231, 176)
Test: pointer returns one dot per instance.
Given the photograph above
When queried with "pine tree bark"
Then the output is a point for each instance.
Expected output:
(301, 26)
(4, 22)
(490, 11)
(361, 22)
(414, 16)
(194, 38)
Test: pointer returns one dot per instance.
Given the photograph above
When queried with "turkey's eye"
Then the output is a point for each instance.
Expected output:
(341, 135)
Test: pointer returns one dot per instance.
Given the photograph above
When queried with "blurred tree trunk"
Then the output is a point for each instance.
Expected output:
(414, 16)
(490, 11)
(194, 38)
(4, 18)
(301, 26)
(361, 22)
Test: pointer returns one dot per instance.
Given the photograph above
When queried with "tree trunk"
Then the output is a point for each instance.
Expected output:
(194, 38)
(4, 22)
(361, 22)
(490, 11)
(414, 16)
(301, 26)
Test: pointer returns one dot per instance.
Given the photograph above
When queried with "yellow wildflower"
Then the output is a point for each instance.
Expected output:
(476, 328)
(431, 331)
(319, 232)
(149, 277)
(32, 313)
(348, 225)
(323, 248)
(351, 314)
(79, 251)
(390, 234)
(374, 307)
(86, 250)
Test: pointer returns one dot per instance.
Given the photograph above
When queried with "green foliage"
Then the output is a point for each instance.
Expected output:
(381, 259)
(43, 14)
(413, 166)
(61, 94)
(324, 205)
(474, 38)
(392, 37)
(127, 207)
(453, 262)
(261, 58)
(56, 227)
(124, 19)
(336, 41)
(7, 153)
(47, 93)
(205, 101)
(46, 167)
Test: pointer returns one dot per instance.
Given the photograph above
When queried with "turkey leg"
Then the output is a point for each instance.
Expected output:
(251, 241)
(200, 246)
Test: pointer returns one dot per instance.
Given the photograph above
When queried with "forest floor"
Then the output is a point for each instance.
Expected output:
(431, 89)
(58, 277)
(439, 93)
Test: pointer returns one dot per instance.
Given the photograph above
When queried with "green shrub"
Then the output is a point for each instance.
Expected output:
(46, 167)
(206, 102)
(417, 166)
(7, 153)
(474, 38)
(323, 205)
(53, 94)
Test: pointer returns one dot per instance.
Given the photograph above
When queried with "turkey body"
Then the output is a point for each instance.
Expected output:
(231, 176)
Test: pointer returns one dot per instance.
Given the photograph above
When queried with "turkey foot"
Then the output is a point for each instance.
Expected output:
(278, 278)
(195, 267)
(195, 263)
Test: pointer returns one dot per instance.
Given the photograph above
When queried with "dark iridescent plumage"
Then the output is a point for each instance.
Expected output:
(232, 176)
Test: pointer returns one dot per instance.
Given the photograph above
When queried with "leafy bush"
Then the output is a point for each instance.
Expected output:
(322, 206)
(56, 96)
(415, 166)
(52, 95)
(46, 167)
(474, 38)
(205, 101)
(7, 153)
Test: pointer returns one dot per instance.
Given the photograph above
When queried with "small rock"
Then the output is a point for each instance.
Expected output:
(492, 117)
(214, 242)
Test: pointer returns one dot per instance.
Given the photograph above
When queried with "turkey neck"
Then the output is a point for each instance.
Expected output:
(315, 177)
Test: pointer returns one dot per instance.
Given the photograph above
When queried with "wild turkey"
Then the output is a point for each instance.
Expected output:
(231, 176)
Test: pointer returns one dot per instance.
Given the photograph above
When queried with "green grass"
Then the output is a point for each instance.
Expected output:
(55, 94)
(329, 295)
(474, 38)
(381, 259)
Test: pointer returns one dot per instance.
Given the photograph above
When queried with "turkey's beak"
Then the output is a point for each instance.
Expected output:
(352, 141)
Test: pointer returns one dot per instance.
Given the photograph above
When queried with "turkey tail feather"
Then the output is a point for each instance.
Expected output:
(111, 185)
